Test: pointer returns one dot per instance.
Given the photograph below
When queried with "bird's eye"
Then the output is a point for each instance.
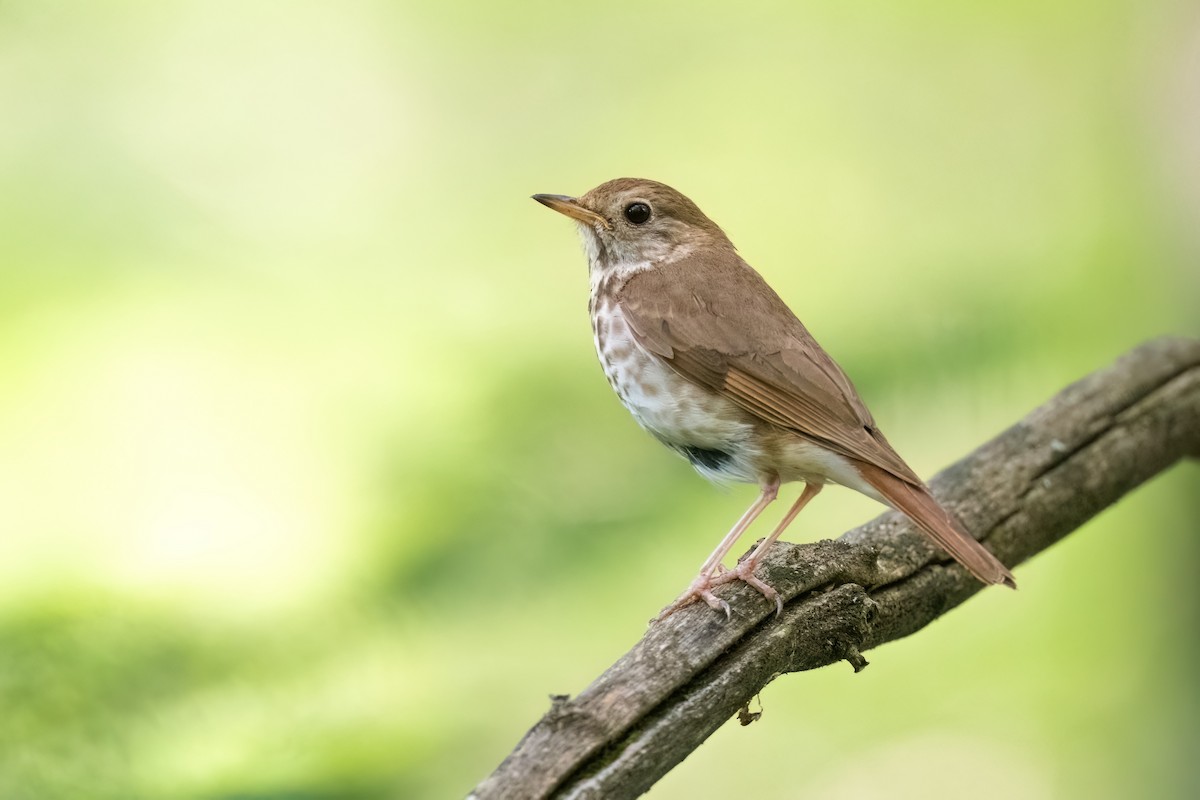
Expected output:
(637, 213)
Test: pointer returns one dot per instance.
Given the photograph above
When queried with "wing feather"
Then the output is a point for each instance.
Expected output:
(716, 322)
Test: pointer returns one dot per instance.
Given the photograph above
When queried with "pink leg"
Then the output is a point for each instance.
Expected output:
(745, 570)
(700, 587)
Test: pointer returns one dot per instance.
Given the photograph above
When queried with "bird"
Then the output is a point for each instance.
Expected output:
(714, 364)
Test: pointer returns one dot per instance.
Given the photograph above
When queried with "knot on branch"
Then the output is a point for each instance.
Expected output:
(829, 627)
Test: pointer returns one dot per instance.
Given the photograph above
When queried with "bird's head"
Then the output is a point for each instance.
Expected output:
(632, 221)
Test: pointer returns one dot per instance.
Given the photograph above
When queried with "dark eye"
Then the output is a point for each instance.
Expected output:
(637, 213)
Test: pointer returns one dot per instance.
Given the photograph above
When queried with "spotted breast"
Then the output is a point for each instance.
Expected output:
(708, 430)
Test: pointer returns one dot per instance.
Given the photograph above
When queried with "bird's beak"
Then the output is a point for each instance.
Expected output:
(571, 207)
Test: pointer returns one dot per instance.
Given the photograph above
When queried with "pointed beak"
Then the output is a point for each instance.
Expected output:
(571, 207)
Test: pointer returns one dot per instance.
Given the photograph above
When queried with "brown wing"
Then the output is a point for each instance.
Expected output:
(717, 323)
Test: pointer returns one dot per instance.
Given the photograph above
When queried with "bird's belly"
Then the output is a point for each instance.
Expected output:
(709, 430)
(796, 458)
(721, 440)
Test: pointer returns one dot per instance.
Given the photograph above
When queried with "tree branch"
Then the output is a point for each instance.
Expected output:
(1021, 492)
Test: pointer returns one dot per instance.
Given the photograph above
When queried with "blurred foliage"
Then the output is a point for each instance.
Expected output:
(310, 486)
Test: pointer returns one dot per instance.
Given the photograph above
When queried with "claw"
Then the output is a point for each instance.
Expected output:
(720, 606)
(745, 573)
(714, 602)
(701, 589)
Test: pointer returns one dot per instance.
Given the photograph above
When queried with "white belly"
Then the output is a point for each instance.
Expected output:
(676, 411)
(682, 415)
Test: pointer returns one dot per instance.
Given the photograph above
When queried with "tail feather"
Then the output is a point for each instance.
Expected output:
(918, 504)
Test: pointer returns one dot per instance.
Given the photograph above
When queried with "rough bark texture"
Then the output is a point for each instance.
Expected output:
(1021, 492)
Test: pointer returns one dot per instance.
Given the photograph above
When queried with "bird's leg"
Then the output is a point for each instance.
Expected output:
(701, 587)
(745, 570)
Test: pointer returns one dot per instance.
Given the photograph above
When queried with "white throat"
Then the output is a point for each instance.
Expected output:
(609, 260)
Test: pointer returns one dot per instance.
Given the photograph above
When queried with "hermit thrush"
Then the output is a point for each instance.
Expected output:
(714, 365)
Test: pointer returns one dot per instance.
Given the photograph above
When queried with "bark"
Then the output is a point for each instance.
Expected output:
(1021, 492)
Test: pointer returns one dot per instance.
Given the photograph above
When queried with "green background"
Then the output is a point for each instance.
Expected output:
(310, 486)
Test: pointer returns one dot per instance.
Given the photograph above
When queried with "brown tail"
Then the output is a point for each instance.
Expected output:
(918, 504)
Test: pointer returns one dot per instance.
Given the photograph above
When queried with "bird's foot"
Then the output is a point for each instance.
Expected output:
(745, 572)
(701, 589)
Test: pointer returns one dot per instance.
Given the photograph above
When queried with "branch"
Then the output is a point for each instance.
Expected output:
(1021, 492)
